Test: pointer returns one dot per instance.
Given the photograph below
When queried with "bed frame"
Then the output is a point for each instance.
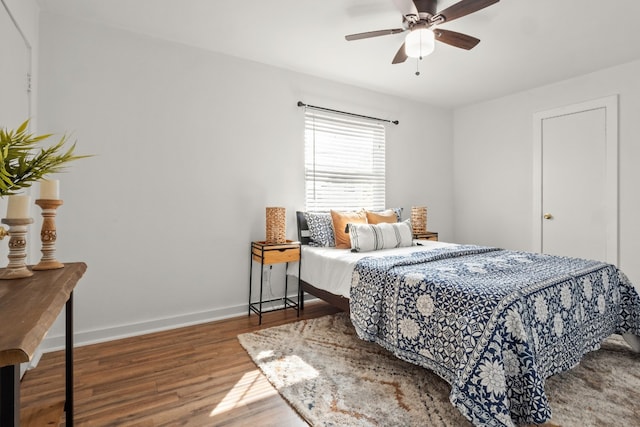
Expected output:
(336, 300)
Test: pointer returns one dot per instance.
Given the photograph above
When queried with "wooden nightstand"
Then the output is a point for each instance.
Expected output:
(429, 235)
(269, 254)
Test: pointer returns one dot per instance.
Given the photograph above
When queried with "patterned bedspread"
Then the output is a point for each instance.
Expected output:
(493, 323)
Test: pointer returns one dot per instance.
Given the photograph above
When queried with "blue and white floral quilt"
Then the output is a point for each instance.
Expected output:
(493, 323)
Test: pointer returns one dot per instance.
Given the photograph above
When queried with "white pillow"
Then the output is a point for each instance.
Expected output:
(371, 237)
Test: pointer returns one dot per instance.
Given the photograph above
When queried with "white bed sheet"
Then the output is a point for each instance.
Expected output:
(330, 269)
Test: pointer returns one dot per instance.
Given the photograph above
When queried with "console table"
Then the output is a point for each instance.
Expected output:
(28, 308)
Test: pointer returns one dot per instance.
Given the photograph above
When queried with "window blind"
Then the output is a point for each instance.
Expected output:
(344, 162)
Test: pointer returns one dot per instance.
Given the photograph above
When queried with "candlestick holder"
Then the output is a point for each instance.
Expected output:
(48, 235)
(17, 249)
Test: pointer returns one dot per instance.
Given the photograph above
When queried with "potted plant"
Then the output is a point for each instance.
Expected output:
(23, 162)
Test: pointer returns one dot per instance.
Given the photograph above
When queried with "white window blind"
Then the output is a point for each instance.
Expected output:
(344, 162)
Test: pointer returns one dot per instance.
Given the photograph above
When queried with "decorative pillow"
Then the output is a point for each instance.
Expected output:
(340, 221)
(384, 216)
(372, 237)
(397, 211)
(320, 228)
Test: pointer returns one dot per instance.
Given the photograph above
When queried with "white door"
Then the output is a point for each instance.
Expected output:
(577, 207)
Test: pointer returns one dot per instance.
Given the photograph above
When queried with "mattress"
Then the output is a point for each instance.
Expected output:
(330, 269)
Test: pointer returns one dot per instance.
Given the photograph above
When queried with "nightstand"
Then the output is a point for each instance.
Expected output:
(269, 254)
(427, 235)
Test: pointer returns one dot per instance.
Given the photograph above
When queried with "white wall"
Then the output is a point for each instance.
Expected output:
(493, 162)
(190, 147)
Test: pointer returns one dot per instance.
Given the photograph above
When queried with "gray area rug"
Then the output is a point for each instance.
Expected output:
(332, 378)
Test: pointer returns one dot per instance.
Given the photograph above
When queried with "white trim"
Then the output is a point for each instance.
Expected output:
(610, 105)
(33, 363)
(55, 343)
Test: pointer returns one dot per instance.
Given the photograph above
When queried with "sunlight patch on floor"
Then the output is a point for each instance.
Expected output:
(264, 355)
(297, 370)
(252, 387)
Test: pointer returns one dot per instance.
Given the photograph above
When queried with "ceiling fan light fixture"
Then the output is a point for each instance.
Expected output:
(419, 43)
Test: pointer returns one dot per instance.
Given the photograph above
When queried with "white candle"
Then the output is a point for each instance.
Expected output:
(19, 207)
(50, 189)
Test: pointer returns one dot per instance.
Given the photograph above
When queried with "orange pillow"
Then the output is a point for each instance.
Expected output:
(385, 216)
(340, 221)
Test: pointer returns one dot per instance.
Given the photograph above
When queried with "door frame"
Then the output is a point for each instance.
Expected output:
(28, 78)
(610, 105)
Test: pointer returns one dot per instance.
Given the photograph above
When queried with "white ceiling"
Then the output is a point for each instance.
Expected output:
(525, 43)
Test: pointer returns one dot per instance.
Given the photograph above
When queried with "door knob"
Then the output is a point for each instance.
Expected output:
(547, 216)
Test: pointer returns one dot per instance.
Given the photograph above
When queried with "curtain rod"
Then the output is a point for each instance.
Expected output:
(302, 104)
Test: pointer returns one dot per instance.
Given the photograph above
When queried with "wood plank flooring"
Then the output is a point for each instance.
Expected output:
(194, 376)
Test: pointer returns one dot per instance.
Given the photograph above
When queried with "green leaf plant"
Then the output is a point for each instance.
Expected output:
(23, 162)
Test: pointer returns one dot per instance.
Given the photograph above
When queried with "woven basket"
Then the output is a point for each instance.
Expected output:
(419, 219)
(276, 225)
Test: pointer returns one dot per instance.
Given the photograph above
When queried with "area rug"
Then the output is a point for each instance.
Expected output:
(332, 378)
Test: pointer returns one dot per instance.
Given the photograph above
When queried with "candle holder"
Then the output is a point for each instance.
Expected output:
(48, 235)
(17, 249)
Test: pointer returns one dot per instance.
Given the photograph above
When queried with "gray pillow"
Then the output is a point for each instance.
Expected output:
(320, 229)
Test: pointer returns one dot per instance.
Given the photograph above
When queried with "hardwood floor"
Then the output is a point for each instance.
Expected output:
(193, 376)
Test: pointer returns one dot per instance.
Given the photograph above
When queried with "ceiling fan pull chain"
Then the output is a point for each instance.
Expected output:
(419, 58)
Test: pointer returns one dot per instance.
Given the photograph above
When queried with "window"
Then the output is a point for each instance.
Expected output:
(344, 162)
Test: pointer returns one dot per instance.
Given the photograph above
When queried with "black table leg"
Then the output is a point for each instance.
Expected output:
(10, 396)
(68, 404)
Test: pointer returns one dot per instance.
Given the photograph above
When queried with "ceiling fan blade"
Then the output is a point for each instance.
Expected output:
(456, 39)
(401, 56)
(463, 8)
(426, 6)
(406, 7)
(368, 34)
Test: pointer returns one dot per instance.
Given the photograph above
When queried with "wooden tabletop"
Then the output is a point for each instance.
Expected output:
(28, 308)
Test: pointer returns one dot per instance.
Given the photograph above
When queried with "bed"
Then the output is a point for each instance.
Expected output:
(492, 323)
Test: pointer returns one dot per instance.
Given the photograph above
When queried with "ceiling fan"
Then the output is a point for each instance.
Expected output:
(420, 18)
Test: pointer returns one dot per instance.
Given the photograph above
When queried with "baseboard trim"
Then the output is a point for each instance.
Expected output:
(55, 343)
(82, 338)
